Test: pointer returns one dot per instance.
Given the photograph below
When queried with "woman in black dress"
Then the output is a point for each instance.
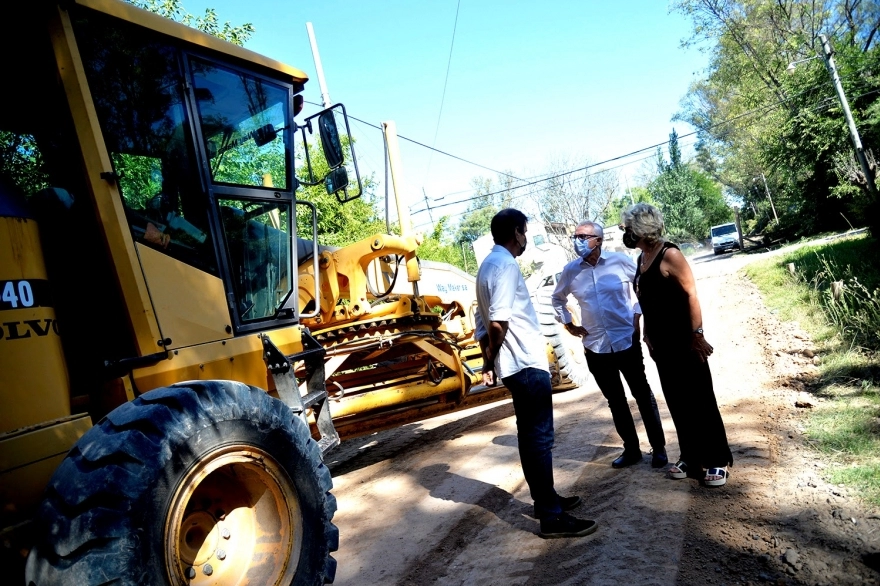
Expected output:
(673, 332)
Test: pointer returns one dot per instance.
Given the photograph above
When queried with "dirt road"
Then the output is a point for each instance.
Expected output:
(444, 502)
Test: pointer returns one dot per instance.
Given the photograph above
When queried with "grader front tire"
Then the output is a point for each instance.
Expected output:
(206, 482)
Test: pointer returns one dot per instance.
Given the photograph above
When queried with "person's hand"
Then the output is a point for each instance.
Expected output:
(650, 347)
(489, 376)
(574, 330)
(701, 347)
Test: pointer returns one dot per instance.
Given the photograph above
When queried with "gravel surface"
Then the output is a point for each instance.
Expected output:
(443, 501)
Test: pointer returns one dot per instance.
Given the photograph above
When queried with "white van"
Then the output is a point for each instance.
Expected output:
(724, 237)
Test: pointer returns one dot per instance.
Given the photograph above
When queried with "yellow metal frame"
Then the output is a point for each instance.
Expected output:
(343, 275)
(31, 360)
(134, 15)
(238, 359)
(29, 457)
(186, 320)
(105, 194)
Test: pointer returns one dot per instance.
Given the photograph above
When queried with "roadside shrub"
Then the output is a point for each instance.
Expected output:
(848, 268)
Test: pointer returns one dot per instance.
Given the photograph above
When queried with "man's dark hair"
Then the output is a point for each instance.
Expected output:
(504, 224)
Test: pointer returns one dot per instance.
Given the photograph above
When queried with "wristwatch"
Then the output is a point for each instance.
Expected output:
(699, 331)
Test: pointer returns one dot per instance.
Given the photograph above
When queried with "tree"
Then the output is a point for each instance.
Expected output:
(570, 198)
(614, 212)
(759, 120)
(209, 23)
(690, 200)
(475, 223)
(488, 199)
(437, 248)
(21, 162)
(339, 223)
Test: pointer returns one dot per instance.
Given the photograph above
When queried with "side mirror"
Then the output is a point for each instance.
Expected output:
(330, 140)
(337, 180)
(337, 152)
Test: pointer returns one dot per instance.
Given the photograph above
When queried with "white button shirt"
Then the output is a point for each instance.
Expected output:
(502, 296)
(605, 295)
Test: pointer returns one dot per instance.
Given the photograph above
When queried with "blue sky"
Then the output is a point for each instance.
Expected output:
(530, 83)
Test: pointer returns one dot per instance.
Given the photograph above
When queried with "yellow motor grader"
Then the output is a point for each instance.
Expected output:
(168, 336)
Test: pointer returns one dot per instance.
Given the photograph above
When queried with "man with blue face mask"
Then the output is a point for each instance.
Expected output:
(601, 282)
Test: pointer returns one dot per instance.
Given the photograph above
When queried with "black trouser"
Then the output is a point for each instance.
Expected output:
(606, 369)
(687, 386)
(533, 405)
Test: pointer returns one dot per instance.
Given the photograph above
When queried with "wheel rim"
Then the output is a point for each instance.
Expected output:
(234, 519)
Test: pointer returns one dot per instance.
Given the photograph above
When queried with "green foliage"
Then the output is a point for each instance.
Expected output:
(21, 162)
(755, 118)
(844, 426)
(614, 211)
(477, 220)
(691, 201)
(339, 224)
(855, 314)
(435, 248)
(475, 223)
(140, 179)
(248, 164)
(208, 23)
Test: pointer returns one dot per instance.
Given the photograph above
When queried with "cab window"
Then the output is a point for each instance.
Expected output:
(136, 85)
(258, 236)
(243, 121)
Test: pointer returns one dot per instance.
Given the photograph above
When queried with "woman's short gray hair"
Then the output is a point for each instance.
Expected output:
(645, 220)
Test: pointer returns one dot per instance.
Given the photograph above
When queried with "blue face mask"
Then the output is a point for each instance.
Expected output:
(582, 248)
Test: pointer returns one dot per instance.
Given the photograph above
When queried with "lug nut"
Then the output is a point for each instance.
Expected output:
(190, 572)
(225, 534)
(221, 554)
(207, 569)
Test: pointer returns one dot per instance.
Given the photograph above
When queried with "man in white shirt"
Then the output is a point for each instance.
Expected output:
(601, 282)
(514, 350)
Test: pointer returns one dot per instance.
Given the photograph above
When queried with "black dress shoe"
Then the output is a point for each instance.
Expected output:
(659, 460)
(627, 460)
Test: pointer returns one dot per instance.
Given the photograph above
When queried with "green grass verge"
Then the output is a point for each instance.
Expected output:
(846, 426)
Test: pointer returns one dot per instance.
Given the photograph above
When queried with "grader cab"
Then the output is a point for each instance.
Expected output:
(169, 330)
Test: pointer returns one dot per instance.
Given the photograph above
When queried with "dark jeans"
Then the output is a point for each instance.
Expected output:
(606, 369)
(687, 386)
(533, 405)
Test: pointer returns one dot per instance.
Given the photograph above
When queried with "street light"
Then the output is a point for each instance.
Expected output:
(828, 55)
(793, 65)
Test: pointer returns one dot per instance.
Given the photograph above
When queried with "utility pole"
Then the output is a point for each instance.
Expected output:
(739, 232)
(325, 95)
(828, 54)
(772, 207)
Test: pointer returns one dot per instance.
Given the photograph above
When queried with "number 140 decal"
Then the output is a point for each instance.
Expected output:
(24, 293)
(25, 297)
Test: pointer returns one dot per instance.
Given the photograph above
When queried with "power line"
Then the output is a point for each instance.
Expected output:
(520, 196)
(758, 110)
(761, 109)
(445, 82)
(428, 147)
